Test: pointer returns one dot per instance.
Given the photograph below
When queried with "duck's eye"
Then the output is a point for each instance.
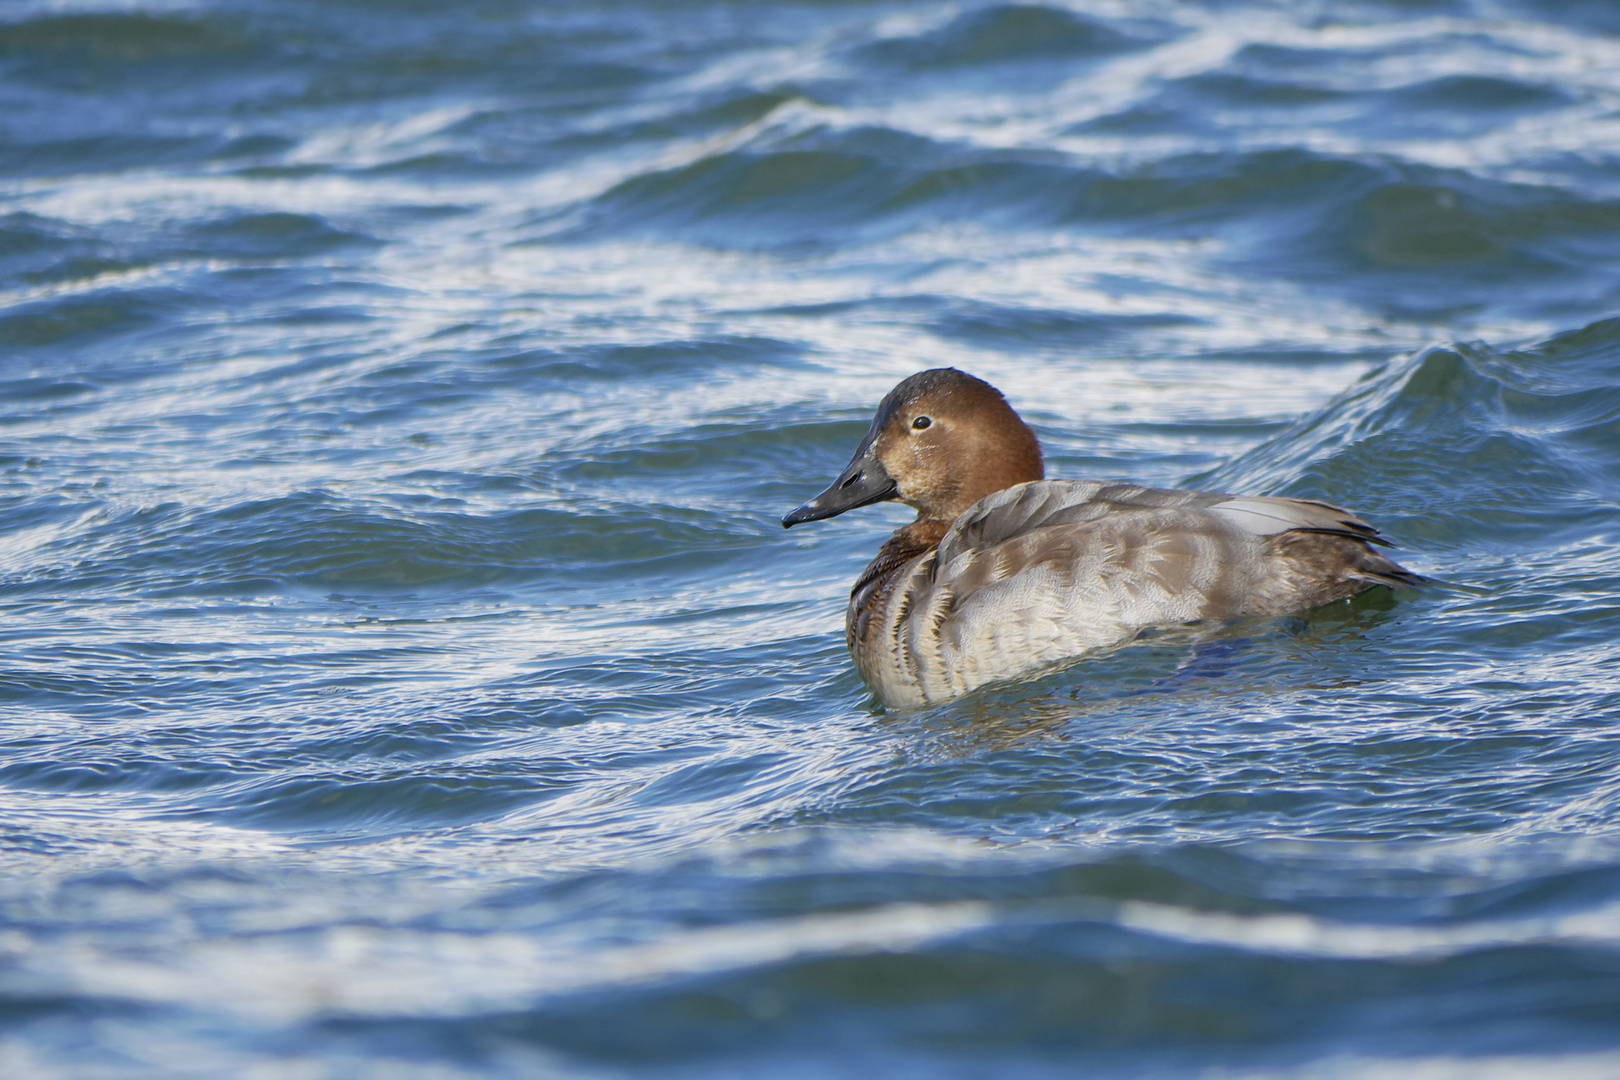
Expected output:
(921, 422)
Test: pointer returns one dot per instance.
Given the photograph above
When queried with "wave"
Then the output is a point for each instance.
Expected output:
(323, 541)
(253, 237)
(1403, 239)
(1465, 445)
(1023, 34)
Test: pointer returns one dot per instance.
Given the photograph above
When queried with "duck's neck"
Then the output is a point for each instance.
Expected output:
(872, 588)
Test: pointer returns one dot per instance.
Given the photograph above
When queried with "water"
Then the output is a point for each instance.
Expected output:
(403, 672)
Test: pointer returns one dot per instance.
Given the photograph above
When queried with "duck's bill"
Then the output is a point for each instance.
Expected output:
(864, 482)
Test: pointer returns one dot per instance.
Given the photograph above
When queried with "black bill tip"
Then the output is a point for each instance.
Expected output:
(864, 482)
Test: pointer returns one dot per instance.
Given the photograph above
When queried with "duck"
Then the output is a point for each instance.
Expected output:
(1005, 572)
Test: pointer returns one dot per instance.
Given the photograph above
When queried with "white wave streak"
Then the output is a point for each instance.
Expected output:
(372, 971)
(1550, 1066)
(1302, 935)
(369, 971)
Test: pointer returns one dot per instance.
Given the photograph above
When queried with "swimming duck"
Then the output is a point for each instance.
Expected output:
(1004, 571)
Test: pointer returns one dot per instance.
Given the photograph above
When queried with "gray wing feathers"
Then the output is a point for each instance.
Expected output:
(1047, 570)
(1268, 515)
(1041, 503)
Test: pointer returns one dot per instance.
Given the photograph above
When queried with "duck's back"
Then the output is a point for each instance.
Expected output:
(1047, 570)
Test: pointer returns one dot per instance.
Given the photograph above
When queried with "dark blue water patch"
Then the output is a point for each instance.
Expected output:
(1135, 120)
(789, 881)
(825, 186)
(43, 392)
(1558, 893)
(1452, 220)
(89, 51)
(739, 464)
(886, 308)
(756, 199)
(1568, 363)
(26, 234)
(1316, 62)
(1187, 195)
(271, 171)
(104, 769)
(282, 292)
(1285, 355)
(1268, 206)
(271, 56)
(273, 236)
(44, 1011)
(403, 73)
(101, 151)
(582, 368)
(32, 247)
(1453, 106)
(93, 332)
(332, 315)
(712, 112)
(998, 191)
(258, 145)
(1223, 89)
(1209, 103)
(708, 779)
(1460, 95)
(1593, 15)
(1415, 242)
(483, 162)
(88, 695)
(71, 270)
(504, 51)
(1023, 34)
(1016, 328)
(74, 321)
(38, 251)
(516, 707)
(405, 214)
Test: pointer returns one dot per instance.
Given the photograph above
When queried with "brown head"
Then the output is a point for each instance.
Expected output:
(941, 441)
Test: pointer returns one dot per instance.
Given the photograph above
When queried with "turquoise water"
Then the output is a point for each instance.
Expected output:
(403, 672)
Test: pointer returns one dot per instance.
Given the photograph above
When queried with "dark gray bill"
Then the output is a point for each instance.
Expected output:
(863, 481)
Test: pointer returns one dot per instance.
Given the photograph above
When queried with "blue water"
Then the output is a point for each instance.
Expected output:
(403, 672)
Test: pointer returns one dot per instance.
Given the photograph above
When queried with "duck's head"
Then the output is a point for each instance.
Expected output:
(941, 441)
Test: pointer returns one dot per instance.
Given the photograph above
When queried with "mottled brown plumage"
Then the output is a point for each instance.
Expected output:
(1004, 572)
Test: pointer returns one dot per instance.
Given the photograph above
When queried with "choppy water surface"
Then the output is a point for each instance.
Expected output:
(403, 672)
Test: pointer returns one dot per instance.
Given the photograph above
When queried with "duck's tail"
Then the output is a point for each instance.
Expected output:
(1331, 564)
